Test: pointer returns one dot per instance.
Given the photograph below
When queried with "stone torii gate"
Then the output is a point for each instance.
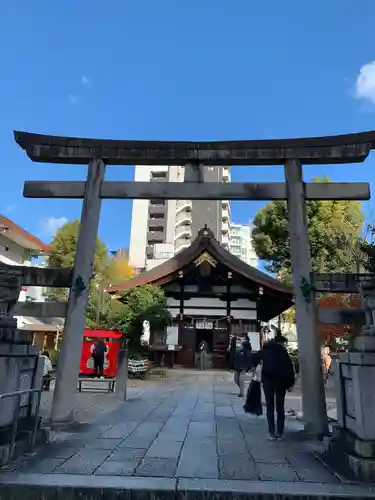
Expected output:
(196, 156)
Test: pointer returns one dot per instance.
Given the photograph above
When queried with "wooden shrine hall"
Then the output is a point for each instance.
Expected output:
(211, 294)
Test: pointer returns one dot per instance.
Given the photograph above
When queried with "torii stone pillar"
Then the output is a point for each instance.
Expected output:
(71, 349)
(312, 385)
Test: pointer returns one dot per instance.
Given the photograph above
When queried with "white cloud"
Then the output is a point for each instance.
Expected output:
(85, 81)
(50, 225)
(365, 84)
(73, 99)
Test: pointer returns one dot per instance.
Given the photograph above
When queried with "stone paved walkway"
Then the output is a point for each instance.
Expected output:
(189, 429)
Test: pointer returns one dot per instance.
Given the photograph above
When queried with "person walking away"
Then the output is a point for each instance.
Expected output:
(327, 361)
(232, 352)
(247, 350)
(47, 370)
(240, 366)
(203, 353)
(98, 355)
(277, 377)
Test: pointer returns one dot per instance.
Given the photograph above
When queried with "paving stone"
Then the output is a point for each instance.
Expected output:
(127, 455)
(46, 466)
(113, 468)
(83, 463)
(120, 431)
(165, 449)
(310, 469)
(277, 472)
(232, 447)
(267, 454)
(198, 464)
(224, 411)
(173, 434)
(200, 445)
(202, 429)
(237, 467)
(157, 467)
(201, 417)
(137, 442)
(61, 451)
(105, 444)
(148, 429)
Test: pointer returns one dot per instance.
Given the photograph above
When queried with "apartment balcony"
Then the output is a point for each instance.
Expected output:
(183, 232)
(181, 244)
(225, 239)
(225, 213)
(154, 209)
(183, 217)
(186, 205)
(226, 174)
(225, 227)
(157, 224)
(154, 237)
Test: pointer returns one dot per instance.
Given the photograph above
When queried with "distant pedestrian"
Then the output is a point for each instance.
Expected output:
(47, 370)
(277, 378)
(232, 352)
(327, 362)
(98, 352)
(242, 364)
(203, 349)
(247, 350)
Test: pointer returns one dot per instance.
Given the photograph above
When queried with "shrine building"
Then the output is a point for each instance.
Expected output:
(211, 295)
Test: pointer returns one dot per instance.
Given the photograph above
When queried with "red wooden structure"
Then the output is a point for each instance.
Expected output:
(111, 339)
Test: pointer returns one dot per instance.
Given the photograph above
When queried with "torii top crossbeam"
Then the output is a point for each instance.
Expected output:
(349, 148)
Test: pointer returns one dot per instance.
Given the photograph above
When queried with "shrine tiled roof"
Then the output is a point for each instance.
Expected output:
(205, 241)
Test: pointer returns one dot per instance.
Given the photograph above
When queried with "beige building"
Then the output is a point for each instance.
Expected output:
(162, 228)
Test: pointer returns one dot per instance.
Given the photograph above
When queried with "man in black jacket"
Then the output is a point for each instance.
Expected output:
(277, 378)
(242, 364)
(98, 355)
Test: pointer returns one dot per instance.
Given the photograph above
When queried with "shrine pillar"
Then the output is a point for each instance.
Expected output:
(352, 447)
(71, 348)
(312, 384)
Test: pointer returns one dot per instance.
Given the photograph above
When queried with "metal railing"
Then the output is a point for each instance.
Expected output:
(19, 395)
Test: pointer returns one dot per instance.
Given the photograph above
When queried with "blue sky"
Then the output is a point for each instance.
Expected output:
(175, 70)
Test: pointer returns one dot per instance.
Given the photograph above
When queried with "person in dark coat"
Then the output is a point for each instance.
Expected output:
(247, 350)
(277, 378)
(242, 364)
(98, 355)
(239, 367)
(232, 352)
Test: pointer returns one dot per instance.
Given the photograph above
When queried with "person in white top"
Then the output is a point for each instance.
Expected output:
(47, 369)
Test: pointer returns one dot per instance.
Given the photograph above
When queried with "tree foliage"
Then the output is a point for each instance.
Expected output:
(119, 270)
(334, 228)
(331, 334)
(62, 250)
(61, 253)
(139, 304)
(144, 303)
(367, 247)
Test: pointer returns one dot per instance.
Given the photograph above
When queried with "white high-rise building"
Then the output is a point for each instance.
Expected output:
(161, 228)
(240, 243)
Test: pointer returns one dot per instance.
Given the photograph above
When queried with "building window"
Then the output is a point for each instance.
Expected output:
(157, 202)
(159, 175)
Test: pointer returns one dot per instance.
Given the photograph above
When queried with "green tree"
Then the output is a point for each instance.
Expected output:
(334, 229)
(62, 250)
(367, 247)
(61, 253)
(144, 303)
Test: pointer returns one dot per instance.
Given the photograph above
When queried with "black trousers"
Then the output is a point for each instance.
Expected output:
(99, 366)
(274, 391)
